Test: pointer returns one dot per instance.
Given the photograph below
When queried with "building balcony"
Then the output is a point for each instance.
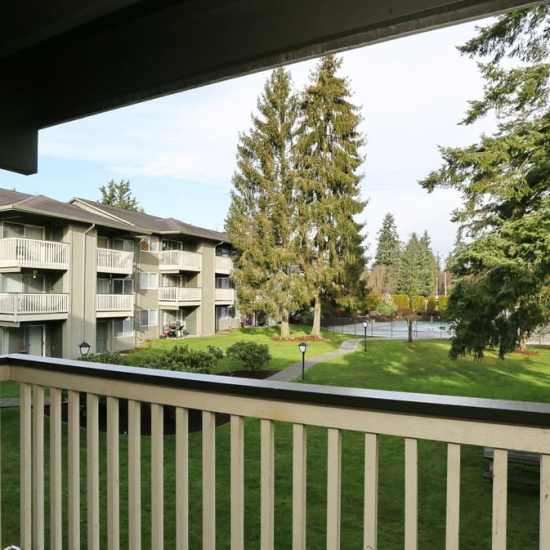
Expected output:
(224, 265)
(225, 296)
(120, 397)
(17, 253)
(174, 261)
(18, 307)
(115, 261)
(179, 296)
(115, 305)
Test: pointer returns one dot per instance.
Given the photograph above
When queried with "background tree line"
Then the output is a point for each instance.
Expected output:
(295, 198)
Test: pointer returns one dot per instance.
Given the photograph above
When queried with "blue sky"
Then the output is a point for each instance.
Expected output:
(179, 151)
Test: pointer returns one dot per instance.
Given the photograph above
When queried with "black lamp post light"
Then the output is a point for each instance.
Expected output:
(365, 325)
(84, 348)
(302, 346)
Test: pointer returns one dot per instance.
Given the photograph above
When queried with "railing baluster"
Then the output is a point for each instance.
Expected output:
(38, 467)
(56, 480)
(157, 476)
(500, 494)
(25, 431)
(452, 523)
(134, 475)
(299, 486)
(237, 483)
(267, 485)
(92, 467)
(73, 464)
(113, 507)
(370, 527)
(182, 479)
(411, 494)
(544, 503)
(334, 484)
(208, 480)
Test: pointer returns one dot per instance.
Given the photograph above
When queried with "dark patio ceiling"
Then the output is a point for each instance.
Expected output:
(65, 59)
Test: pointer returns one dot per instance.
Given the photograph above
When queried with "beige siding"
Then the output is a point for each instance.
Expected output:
(207, 282)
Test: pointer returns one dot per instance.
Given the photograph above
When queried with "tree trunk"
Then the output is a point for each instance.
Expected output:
(316, 328)
(410, 329)
(285, 328)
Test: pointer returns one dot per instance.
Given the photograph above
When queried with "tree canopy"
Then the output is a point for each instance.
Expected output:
(119, 194)
(503, 271)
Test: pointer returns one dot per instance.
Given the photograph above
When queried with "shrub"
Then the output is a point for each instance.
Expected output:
(253, 356)
(432, 305)
(402, 304)
(184, 359)
(372, 301)
(419, 304)
(216, 352)
(442, 304)
(385, 309)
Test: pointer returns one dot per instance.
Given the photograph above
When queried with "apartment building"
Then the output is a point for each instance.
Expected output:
(85, 272)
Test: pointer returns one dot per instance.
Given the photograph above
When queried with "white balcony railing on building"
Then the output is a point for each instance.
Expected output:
(224, 265)
(33, 253)
(28, 304)
(306, 409)
(114, 261)
(179, 294)
(226, 295)
(115, 302)
(180, 260)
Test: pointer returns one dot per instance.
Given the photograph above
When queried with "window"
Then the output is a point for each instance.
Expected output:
(149, 318)
(170, 244)
(149, 244)
(21, 230)
(123, 286)
(223, 282)
(123, 327)
(148, 280)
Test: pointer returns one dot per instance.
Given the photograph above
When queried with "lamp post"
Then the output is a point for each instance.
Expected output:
(365, 325)
(302, 346)
(84, 348)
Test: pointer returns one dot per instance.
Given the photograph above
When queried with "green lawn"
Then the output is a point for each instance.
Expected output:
(388, 365)
(284, 353)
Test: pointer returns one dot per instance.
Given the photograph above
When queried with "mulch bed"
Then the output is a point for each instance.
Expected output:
(195, 416)
(299, 339)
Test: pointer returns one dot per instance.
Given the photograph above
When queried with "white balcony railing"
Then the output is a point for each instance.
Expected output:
(318, 415)
(224, 265)
(226, 295)
(179, 294)
(114, 261)
(115, 302)
(17, 252)
(33, 304)
(180, 260)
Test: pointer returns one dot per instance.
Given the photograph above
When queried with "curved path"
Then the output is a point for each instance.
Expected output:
(295, 371)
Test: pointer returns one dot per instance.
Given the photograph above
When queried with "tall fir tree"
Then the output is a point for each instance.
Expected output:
(388, 251)
(501, 291)
(119, 194)
(262, 216)
(411, 274)
(429, 266)
(328, 158)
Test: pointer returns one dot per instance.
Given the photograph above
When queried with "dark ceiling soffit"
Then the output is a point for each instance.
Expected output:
(519, 413)
(182, 46)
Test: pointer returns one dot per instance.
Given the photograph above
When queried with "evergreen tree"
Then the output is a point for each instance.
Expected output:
(327, 159)
(411, 275)
(119, 194)
(387, 252)
(262, 217)
(501, 293)
(429, 266)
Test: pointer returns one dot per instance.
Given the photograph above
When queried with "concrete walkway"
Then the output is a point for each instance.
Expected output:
(295, 371)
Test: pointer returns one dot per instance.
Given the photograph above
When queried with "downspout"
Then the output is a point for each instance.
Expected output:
(84, 284)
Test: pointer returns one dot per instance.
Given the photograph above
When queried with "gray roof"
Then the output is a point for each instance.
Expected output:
(155, 224)
(46, 206)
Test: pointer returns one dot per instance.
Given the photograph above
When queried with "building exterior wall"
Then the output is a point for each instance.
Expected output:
(207, 279)
(146, 299)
